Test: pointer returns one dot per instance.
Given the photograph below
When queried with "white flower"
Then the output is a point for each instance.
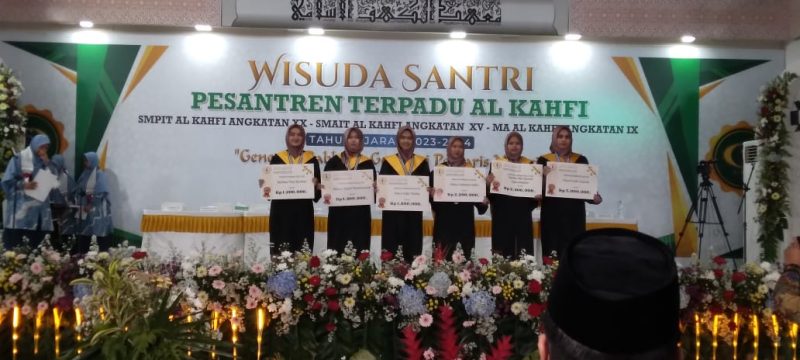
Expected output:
(328, 268)
(709, 275)
(344, 279)
(517, 308)
(349, 302)
(766, 266)
(684, 298)
(281, 267)
(518, 284)
(536, 275)
(452, 289)
(762, 289)
(466, 290)
(395, 282)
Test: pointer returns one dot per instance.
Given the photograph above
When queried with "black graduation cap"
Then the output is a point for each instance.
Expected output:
(616, 291)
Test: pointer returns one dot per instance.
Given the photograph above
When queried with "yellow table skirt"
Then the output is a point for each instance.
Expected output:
(260, 224)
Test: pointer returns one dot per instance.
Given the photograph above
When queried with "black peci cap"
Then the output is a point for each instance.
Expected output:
(616, 291)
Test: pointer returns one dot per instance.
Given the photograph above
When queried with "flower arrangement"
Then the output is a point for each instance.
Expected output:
(771, 197)
(12, 118)
(331, 304)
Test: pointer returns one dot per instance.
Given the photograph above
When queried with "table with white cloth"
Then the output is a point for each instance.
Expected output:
(188, 233)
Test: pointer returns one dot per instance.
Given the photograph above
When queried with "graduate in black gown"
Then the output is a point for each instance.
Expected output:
(512, 224)
(454, 222)
(403, 227)
(349, 223)
(562, 219)
(292, 221)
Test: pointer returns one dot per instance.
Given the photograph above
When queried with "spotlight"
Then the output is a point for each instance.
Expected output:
(572, 37)
(202, 27)
(687, 39)
(458, 35)
(316, 31)
(86, 24)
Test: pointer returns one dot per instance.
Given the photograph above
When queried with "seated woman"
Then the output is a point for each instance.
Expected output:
(93, 217)
(453, 222)
(23, 215)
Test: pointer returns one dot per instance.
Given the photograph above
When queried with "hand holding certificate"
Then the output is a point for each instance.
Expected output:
(571, 181)
(458, 184)
(45, 182)
(403, 193)
(514, 179)
(348, 188)
(283, 182)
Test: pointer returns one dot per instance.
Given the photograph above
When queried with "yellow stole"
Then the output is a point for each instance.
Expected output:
(287, 159)
(400, 167)
(573, 157)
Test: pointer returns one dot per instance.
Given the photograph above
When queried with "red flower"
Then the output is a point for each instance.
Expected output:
(535, 309)
(363, 256)
(314, 262)
(330, 292)
(314, 280)
(483, 261)
(738, 277)
(390, 300)
(333, 305)
(139, 255)
(308, 298)
(316, 306)
(719, 260)
(718, 273)
(329, 327)
(547, 260)
(728, 295)
(732, 326)
(386, 255)
(534, 287)
(715, 309)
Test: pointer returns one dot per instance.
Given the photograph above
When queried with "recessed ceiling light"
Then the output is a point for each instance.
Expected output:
(316, 31)
(86, 24)
(458, 35)
(572, 37)
(687, 39)
(202, 27)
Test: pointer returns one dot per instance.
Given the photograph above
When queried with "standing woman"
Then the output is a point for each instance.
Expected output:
(292, 221)
(403, 227)
(562, 219)
(94, 212)
(22, 214)
(454, 222)
(350, 223)
(512, 225)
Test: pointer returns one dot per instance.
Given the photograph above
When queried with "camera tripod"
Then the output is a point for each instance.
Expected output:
(705, 191)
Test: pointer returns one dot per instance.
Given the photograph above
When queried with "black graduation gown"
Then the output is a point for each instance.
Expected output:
(403, 227)
(454, 223)
(561, 219)
(349, 223)
(512, 223)
(292, 221)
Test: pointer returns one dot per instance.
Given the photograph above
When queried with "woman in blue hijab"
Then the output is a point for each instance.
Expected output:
(94, 208)
(23, 215)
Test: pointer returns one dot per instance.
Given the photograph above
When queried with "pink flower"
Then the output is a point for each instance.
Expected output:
(428, 354)
(214, 270)
(496, 289)
(425, 320)
(458, 257)
(42, 306)
(468, 323)
(218, 284)
(36, 268)
(430, 290)
(464, 275)
(14, 278)
(251, 303)
(255, 291)
(257, 268)
(26, 310)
